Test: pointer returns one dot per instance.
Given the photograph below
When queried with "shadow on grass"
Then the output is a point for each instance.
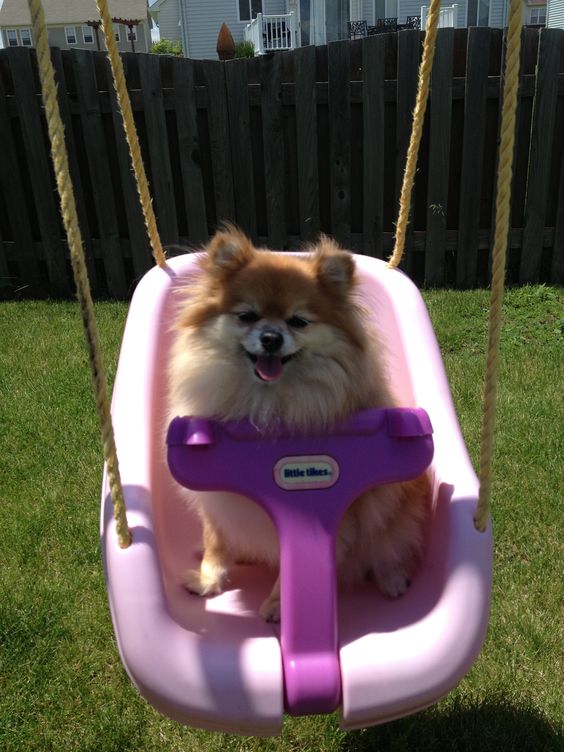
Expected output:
(493, 726)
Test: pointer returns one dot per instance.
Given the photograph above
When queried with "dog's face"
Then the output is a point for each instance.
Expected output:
(278, 316)
(273, 337)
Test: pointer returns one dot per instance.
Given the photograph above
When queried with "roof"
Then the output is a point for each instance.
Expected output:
(16, 12)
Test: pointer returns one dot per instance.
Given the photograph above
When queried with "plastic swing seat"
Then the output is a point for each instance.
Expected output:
(214, 663)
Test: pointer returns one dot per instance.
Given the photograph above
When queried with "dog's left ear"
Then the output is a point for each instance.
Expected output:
(228, 251)
(335, 267)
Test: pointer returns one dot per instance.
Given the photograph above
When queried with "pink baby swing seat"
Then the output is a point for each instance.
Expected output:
(214, 663)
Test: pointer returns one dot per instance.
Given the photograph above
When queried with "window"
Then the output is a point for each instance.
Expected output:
(88, 35)
(538, 16)
(70, 33)
(131, 34)
(12, 36)
(117, 31)
(385, 9)
(25, 37)
(248, 9)
(478, 13)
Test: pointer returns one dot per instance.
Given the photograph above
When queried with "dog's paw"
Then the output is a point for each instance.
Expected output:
(393, 582)
(270, 609)
(204, 583)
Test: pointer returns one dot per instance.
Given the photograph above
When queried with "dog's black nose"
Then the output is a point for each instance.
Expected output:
(271, 341)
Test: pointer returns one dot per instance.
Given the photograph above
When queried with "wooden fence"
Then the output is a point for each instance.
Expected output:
(286, 146)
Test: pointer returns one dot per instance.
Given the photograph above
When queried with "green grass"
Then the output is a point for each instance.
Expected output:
(62, 686)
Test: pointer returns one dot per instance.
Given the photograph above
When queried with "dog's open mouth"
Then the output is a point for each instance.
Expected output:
(269, 367)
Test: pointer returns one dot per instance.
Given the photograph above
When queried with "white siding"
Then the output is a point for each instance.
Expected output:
(274, 7)
(497, 12)
(555, 14)
(169, 17)
(204, 21)
(412, 8)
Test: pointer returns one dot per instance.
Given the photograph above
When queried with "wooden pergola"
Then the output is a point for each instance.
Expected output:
(129, 22)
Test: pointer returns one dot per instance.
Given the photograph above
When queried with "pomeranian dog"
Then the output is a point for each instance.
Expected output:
(283, 338)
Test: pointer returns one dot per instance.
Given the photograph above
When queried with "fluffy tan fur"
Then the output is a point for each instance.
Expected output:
(327, 366)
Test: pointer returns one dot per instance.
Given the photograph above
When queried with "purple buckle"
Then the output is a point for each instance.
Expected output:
(305, 484)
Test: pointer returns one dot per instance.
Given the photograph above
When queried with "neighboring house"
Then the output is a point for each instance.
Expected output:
(555, 14)
(68, 24)
(279, 24)
(166, 15)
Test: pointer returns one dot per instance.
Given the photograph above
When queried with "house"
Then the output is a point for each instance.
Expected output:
(284, 24)
(166, 15)
(555, 14)
(75, 23)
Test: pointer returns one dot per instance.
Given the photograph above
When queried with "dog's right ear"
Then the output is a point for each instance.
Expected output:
(228, 252)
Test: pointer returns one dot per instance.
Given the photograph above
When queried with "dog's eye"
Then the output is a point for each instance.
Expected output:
(248, 317)
(297, 322)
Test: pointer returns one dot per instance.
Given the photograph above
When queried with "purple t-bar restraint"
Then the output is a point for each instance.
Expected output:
(305, 484)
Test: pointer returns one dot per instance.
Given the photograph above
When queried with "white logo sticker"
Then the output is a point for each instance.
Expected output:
(299, 473)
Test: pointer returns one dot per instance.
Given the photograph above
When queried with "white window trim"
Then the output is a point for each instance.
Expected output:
(90, 31)
(133, 33)
(30, 37)
(74, 34)
(117, 31)
(537, 9)
(16, 37)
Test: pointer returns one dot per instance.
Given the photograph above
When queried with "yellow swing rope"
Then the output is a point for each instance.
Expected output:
(502, 218)
(416, 130)
(72, 228)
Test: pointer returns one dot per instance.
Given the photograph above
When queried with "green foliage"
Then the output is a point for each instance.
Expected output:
(244, 49)
(167, 47)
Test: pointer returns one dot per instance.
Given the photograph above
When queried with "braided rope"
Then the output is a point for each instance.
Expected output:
(131, 133)
(70, 220)
(416, 131)
(502, 220)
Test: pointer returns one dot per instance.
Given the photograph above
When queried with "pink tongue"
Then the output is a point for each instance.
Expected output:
(269, 367)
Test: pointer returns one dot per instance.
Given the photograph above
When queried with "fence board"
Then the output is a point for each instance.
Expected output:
(189, 147)
(162, 187)
(339, 140)
(544, 112)
(5, 276)
(12, 190)
(472, 155)
(439, 158)
(558, 247)
(212, 74)
(306, 127)
(139, 241)
(38, 160)
(74, 168)
(99, 169)
(373, 56)
(273, 147)
(241, 147)
(409, 45)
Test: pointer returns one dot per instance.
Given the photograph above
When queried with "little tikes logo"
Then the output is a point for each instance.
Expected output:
(300, 473)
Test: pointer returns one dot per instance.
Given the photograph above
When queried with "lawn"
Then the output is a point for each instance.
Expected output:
(62, 686)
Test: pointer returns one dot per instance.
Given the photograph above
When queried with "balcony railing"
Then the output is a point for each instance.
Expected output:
(447, 16)
(271, 33)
